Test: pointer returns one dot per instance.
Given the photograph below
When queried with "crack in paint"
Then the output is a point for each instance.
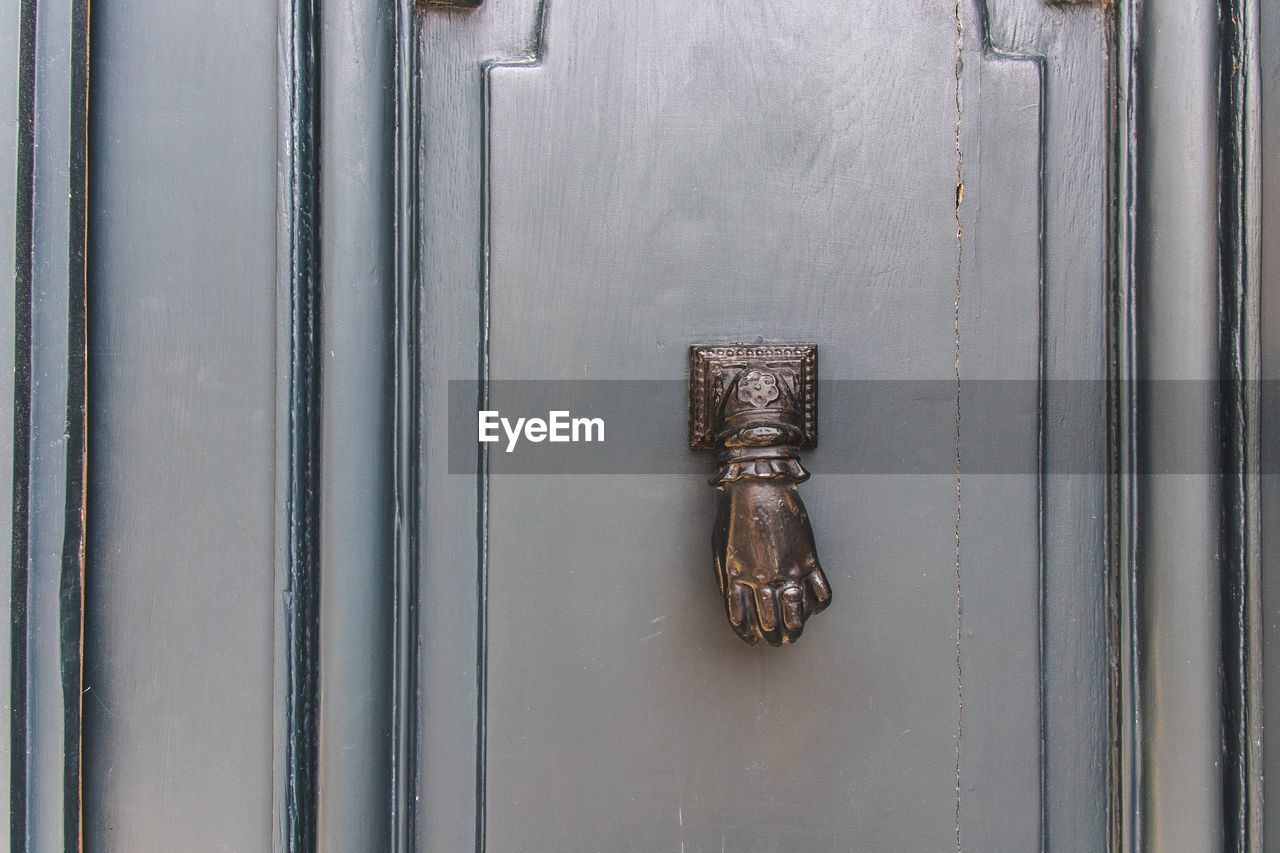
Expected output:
(959, 65)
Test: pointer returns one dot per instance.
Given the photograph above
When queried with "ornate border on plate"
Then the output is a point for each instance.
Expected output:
(712, 367)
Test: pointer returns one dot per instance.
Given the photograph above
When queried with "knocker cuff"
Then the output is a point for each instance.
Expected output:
(760, 466)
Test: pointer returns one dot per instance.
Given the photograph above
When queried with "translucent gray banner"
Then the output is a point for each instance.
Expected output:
(864, 427)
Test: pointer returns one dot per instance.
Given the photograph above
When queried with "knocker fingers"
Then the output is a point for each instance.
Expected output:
(782, 610)
(740, 604)
(774, 612)
(793, 614)
(818, 588)
(767, 606)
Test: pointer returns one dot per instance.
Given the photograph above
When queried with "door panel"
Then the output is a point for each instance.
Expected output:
(720, 174)
(180, 623)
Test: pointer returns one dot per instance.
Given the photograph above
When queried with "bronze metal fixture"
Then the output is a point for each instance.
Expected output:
(757, 404)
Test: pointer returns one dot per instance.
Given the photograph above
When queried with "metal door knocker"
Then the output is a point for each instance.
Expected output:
(757, 405)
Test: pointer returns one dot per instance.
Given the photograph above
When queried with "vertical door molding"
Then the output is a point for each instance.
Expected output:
(367, 173)
(406, 438)
(298, 431)
(1185, 538)
(1239, 340)
(347, 438)
(356, 180)
(48, 417)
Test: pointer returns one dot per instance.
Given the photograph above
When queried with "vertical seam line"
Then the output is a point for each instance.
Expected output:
(959, 198)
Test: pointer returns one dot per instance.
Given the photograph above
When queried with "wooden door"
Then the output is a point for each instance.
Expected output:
(602, 186)
(272, 259)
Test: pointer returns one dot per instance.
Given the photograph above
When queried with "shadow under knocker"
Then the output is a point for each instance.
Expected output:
(757, 405)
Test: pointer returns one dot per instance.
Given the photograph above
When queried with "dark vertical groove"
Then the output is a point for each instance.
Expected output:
(71, 582)
(24, 208)
(1043, 429)
(303, 512)
(406, 440)
(1115, 606)
(482, 488)
(1239, 641)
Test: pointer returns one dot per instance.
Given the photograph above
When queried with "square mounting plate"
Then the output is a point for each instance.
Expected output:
(712, 369)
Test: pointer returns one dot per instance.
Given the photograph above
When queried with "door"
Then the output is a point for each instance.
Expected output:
(274, 261)
(605, 185)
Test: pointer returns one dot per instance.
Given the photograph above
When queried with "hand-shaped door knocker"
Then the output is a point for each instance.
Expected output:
(757, 405)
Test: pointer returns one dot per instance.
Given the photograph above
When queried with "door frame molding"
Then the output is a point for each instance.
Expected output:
(296, 688)
(1185, 624)
(44, 660)
(347, 641)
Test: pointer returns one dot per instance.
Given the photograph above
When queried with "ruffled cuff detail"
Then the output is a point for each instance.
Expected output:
(772, 468)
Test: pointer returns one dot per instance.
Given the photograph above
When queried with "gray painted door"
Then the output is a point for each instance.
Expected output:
(317, 616)
(919, 189)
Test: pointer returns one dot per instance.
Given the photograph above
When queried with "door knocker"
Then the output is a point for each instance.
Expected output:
(756, 404)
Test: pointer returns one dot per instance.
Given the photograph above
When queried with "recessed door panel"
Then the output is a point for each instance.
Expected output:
(650, 178)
